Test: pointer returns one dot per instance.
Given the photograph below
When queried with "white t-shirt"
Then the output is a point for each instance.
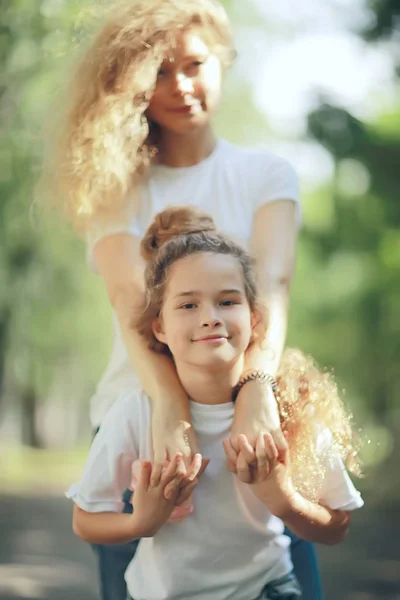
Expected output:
(231, 546)
(230, 185)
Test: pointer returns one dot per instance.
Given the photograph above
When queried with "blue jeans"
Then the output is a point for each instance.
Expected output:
(285, 588)
(114, 560)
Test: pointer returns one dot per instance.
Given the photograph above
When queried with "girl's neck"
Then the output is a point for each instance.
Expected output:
(209, 387)
(186, 150)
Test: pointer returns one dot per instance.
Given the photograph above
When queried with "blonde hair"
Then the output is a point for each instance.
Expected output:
(102, 142)
(311, 411)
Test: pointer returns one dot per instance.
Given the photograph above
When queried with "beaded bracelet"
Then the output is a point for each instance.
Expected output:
(256, 376)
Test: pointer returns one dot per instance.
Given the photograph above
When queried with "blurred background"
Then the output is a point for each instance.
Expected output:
(316, 82)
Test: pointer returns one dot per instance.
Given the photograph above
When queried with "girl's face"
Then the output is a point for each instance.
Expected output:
(206, 319)
(188, 87)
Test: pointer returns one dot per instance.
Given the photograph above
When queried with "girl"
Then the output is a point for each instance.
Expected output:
(136, 136)
(201, 309)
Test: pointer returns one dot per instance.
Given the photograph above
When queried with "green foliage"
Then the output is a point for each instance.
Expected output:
(54, 315)
(347, 311)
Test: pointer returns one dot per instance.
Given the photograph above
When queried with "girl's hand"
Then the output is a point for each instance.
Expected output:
(187, 485)
(270, 472)
(256, 413)
(151, 508)
(172, 434)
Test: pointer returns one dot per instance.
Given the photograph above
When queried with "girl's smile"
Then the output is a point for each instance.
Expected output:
(205, 318)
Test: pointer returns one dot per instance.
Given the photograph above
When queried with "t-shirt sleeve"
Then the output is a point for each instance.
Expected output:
(107, 473)
(338, 492)
(277, 181)
(122, 221)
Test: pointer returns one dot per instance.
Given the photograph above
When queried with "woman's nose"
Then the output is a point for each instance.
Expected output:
(182, 84)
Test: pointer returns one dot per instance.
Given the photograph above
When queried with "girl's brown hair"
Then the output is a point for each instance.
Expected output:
(101, 141)
(176, 233)
(311, 410)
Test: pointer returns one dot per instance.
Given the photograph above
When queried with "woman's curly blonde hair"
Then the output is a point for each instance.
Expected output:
(312, 413)
(103, 142)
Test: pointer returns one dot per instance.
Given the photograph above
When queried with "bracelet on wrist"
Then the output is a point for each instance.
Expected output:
(256, 375)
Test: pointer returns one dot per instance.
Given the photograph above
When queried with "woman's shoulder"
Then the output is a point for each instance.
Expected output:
(133, 405)
(259, 160)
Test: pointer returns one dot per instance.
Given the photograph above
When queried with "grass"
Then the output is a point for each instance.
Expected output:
(26, 470)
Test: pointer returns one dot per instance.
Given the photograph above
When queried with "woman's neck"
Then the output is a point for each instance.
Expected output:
(186, 150)
(207, 386)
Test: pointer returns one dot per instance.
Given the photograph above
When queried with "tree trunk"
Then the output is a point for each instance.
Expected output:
(30, 436)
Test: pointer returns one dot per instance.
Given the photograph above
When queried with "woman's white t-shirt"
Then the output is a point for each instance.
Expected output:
(231, 184)
(231, 546)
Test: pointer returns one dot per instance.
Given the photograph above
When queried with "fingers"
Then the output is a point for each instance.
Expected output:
(145, 474)
(246, 459)
(181, 482)
(172, 489)
(186, 492)
(243, 469)
(281, 443)
(270, 448)
(194, 468)
(247, 450)
(231, 455)
(262, 461)
(171, 472)
(156, 473)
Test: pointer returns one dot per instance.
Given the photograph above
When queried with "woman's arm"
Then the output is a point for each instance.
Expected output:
(273, 246)
(122, 269)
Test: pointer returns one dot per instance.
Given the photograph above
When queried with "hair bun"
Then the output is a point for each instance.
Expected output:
(172, 222)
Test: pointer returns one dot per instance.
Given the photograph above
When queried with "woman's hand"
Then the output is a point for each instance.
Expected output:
(256, 413)
(173, 433)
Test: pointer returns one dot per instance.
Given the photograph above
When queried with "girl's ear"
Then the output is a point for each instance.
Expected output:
(158, 330)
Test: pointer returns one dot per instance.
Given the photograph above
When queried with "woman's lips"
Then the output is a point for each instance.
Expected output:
(186, 109)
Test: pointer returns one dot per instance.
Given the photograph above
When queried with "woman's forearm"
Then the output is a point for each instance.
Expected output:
(266, 352)
(314, 522)
(156, 372)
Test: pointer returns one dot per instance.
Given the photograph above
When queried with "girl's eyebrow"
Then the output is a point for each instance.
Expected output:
(198, 293)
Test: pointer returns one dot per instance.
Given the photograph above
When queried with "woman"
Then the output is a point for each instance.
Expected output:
(138, 136)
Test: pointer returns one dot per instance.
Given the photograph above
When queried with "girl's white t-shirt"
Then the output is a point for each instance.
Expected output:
(231, 546)
(231, 184)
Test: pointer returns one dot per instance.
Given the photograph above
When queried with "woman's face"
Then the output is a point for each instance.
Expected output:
(206, 320)
(188, 87)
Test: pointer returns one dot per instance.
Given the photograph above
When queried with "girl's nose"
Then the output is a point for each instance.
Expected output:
(210, 318)
(211, 323)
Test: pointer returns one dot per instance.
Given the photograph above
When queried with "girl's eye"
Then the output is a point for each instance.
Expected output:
(227, 303)
(188, 305)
